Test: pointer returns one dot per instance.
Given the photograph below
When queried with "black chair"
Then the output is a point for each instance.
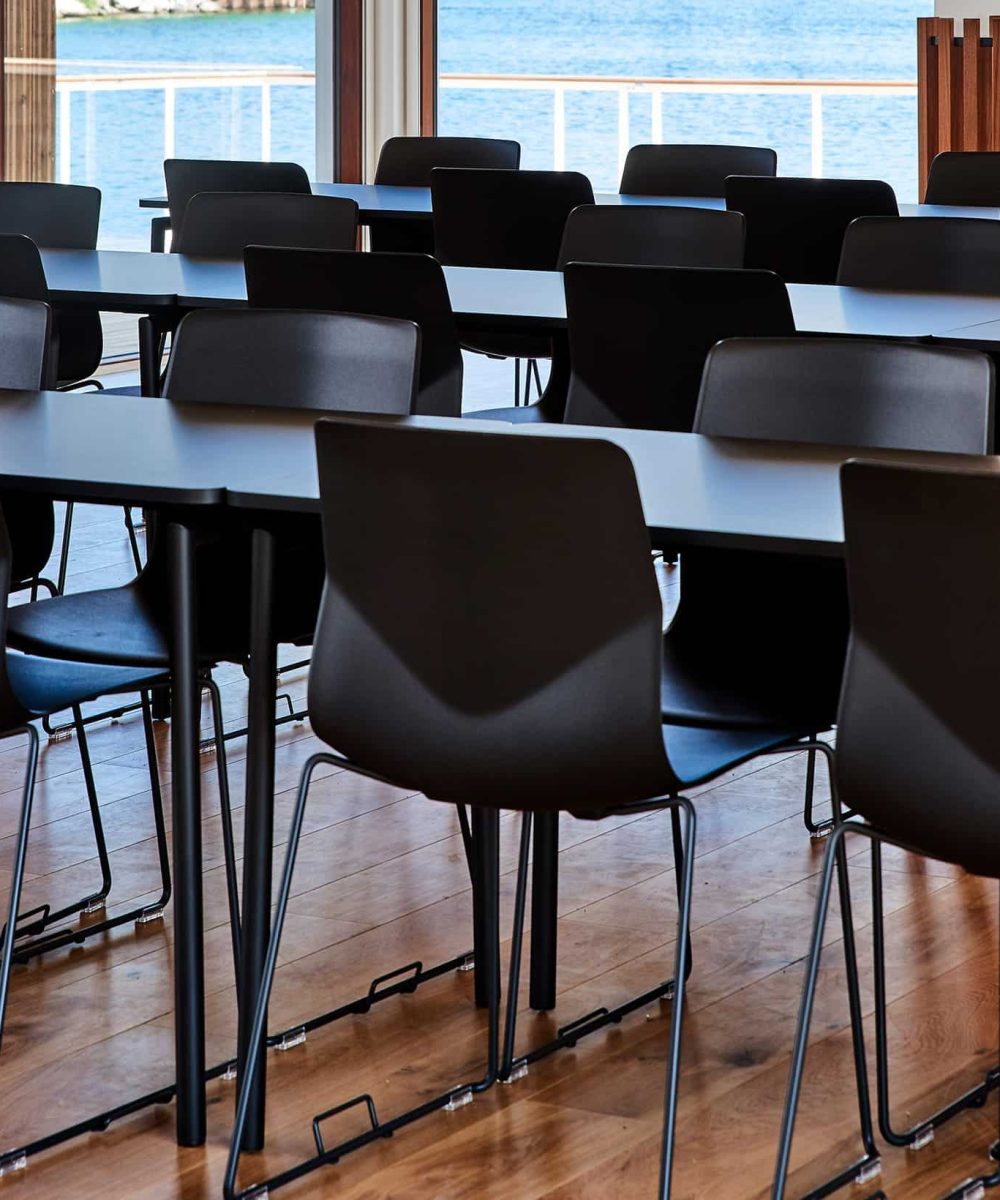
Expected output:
(22, 276)
(638, 337)
(408, 162)
(796, 226)
(508, 219)
(648, 236)
(926, 254)
(964, 177)
(293, 360)
(223, 224)
(653, 236)
(682, 170)
(917, 755)
(409, 287)
(25, 341)
(186, 177)
(496, 681)
(59, 216)
(781, 648)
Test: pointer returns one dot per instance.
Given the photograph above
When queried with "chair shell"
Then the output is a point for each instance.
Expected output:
(683, 170)
(927, 254)
(917, 750)
(653, 236)
(796, 226)
(964, 177)
(223, 224)
(186, 177)
(638, 337)
(855, 392)
(409, 287)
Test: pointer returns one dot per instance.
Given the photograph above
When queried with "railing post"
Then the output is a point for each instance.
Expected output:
(623, 128)
(265, 122)
(656, 124)
(65, 134)
(559, 128)
(169, 119)
(817, 134)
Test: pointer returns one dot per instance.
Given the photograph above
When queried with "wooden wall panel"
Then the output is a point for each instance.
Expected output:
(428, 67)
(29, 89)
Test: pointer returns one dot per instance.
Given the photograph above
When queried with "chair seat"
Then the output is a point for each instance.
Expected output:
(44, 685)
(110, 625)
(134, 390)
(508, 345)
(737, 694)
(698, 755)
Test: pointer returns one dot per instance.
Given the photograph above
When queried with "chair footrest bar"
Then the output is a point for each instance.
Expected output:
(77, 935)
(66, 730)
(865, 1170)
(922, 1134)
(569, 1035)
(413, 975)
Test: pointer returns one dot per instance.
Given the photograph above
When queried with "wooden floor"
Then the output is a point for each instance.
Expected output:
(381, 882)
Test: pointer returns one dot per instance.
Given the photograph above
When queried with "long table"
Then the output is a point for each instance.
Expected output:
(145, 282)
(382, 202)
(103, 448)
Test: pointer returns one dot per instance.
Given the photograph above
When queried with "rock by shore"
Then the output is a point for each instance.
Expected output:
(74, 9)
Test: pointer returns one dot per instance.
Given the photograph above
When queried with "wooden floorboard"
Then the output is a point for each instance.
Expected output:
(382, 881)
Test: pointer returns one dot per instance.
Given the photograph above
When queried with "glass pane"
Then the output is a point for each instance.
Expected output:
(130, 90)
(594, 68)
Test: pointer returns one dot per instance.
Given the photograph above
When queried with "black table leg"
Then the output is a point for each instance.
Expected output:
(189, 950)
(544, 908)
(485, 832)
(259, 835)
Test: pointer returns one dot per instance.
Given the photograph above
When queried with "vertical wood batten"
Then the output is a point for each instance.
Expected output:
(28, 114)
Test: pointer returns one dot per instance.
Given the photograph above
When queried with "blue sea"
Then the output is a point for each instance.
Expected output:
(117, 137)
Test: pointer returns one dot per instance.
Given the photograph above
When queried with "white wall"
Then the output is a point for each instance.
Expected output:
(966, 8)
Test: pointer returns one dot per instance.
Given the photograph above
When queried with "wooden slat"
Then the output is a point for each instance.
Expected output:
(428, 67)
(927, 96)
(29, 90)
(971, 84)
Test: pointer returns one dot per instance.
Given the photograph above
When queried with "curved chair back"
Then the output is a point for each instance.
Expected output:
(186, 177)
(294, 360)
(964, 177)
(653, 236)
(410, 287)
(511, 219)
(796, 226)
(60, 216)
(491, 678)
(926, 254)
(223, 224)
(25, 339)
(917, 752)
(22, 276)
(638, 337)
(682, 170)
(848, 392)
(408, 162)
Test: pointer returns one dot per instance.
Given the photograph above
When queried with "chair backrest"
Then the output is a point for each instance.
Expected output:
(408, 161)
(492, 680)
(849, 392)
(294, 360)
(22, 275)
(409, 287)
(681, 170)
(223, 224)
(926, 254)
(25, 334)
(796, 226)
(964, 177)
(186, 177)
(59, 215)
(653, 236)
(512, 219)
(917, 751)
(638, 337)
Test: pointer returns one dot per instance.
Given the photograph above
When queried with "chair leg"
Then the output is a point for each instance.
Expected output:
(225, 806)
(17, 874)
(682, 967)
(64, 549)
(533, 369)
(517, 382)
(681, 861)
(454, 1098)
(506, 1072)
(162, 852)
(868, 1167)
(133, 541)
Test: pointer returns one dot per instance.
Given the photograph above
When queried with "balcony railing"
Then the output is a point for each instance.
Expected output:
(173, 78)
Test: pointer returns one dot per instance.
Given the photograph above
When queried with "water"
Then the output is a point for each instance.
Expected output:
(117, 137)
